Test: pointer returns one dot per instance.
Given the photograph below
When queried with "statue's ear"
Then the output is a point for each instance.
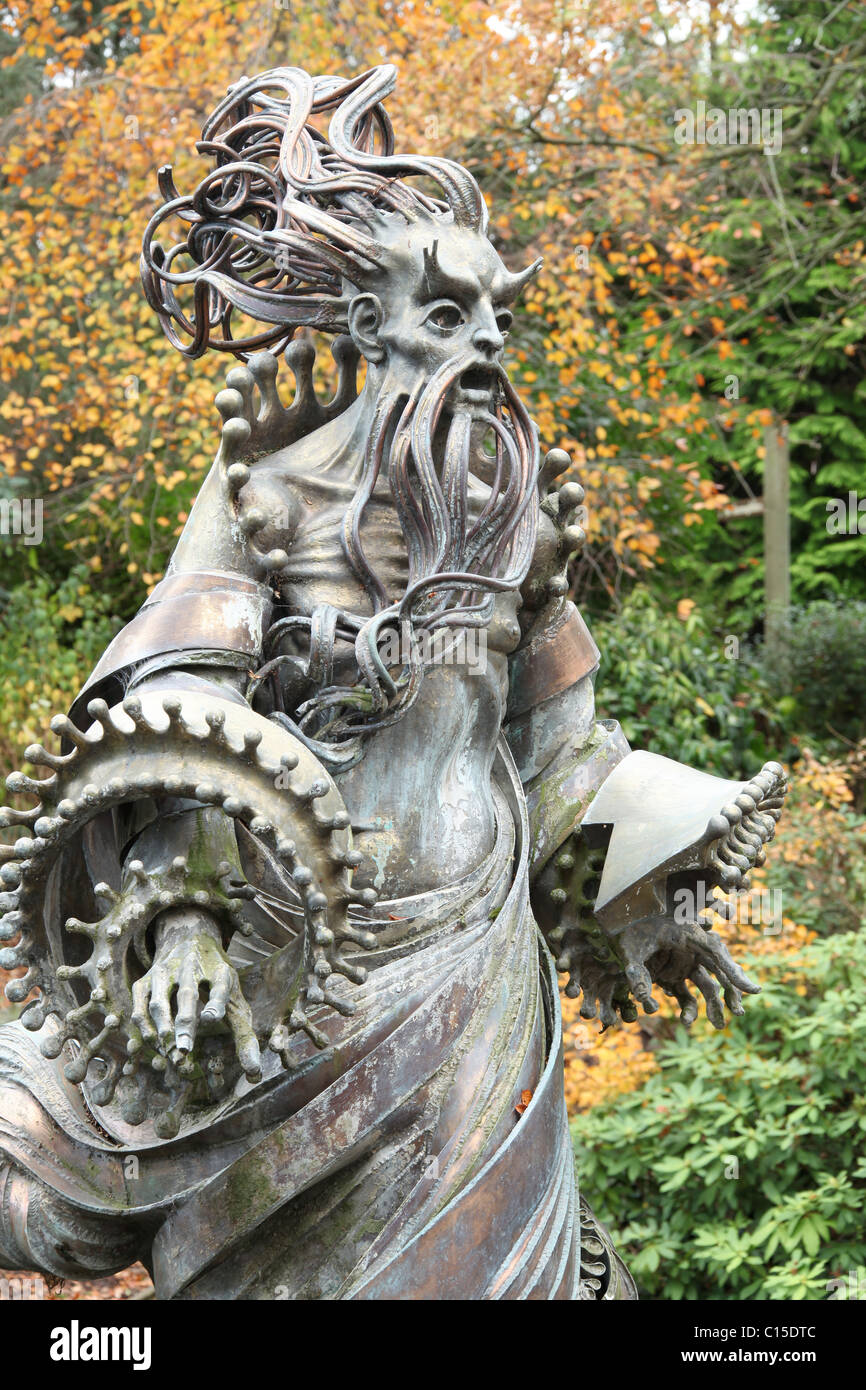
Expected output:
(365, 321)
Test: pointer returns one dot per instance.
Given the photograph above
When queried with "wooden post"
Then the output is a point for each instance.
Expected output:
(777, 539)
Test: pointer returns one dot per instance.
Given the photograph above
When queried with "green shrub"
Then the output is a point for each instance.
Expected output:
(680, 690)
(738, 1171)
(824, 669)
(51, 636)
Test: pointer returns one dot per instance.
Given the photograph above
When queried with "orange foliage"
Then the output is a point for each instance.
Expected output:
(114, 430)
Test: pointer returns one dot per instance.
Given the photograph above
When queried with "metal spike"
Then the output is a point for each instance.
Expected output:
(64, 726)
(98, 710)
(18, 782)
(274, 560)
(237, 474)
(215, 719)
(172, 705)
(132, 707)
(34, 1015)
(235, 434)
(53, 1046)
(11, 924)
(18, 990)
(229, 403)
(37, 754)
(252, 521)
(9, 816)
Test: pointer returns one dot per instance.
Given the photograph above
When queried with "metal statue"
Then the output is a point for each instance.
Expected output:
(334, 808)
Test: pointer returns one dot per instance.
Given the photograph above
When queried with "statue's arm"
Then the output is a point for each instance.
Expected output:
(627, 849)
(563, 752)
(201, 630)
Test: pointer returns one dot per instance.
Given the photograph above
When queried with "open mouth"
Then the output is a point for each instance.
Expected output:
(478, 381)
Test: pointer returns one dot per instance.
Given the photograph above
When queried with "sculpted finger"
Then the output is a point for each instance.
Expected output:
(606, 1010)
(734, 1000)
(135, 1040)
(710, 990)
(625, 1004)
(219, 992)
(186, 1019)
(712, 950)
(687, 1002)
(160, 1007)
(140, 1014)
(641, 987)
(593, 982)
(246, 1044)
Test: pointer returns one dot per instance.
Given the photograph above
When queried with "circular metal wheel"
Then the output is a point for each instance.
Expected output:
(212, 751)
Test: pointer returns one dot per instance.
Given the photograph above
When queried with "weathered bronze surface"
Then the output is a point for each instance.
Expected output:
(333, 805)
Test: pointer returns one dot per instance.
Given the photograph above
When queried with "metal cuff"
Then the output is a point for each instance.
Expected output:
(561, 654)
(191, 612)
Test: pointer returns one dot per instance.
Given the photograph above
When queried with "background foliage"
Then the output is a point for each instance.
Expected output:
(737, 1171)
(692, 296)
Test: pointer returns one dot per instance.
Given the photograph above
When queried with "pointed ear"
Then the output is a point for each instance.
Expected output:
(365, 320)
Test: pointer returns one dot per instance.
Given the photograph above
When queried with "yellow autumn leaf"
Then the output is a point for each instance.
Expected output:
(70, 612)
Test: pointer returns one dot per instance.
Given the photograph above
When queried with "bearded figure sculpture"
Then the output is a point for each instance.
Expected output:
(335, 806)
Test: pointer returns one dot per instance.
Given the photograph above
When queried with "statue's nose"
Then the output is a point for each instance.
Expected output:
(488, 339)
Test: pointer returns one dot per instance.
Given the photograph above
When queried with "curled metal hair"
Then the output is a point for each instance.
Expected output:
(289, 212)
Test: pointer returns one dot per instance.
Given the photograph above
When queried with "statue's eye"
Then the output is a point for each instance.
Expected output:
(445, 317)
(504, 320)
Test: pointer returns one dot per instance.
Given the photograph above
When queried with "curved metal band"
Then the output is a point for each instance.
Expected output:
(561, 654)
(190, 612)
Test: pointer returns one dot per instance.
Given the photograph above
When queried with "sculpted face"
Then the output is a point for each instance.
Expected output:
(445, 296)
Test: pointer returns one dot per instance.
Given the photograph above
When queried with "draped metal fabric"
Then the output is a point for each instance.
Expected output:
(394, 1164)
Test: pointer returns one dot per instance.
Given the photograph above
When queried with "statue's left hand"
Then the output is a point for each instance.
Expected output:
(620, 965)
(672, 954)
(189, 958)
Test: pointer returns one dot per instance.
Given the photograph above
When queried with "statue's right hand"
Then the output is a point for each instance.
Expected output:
(167, 1001)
